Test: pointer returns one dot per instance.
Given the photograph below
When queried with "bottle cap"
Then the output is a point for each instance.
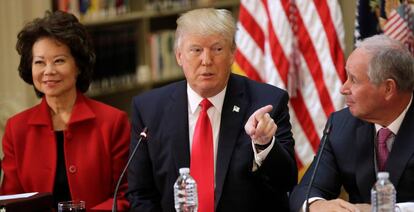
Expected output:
(383, 175)
(184, 170)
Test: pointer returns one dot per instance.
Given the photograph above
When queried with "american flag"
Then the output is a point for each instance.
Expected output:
(394, 18)
(297, 45)
(399, 25)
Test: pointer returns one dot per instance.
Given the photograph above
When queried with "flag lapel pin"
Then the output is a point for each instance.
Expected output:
(236, 109)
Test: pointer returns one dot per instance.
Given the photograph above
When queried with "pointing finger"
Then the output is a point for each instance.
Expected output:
(254, 119)
(258, 114)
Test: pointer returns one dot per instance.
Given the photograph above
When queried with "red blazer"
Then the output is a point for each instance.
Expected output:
(96, 150)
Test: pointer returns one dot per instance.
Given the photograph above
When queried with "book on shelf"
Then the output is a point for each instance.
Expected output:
(163, 61)
(102, 9)
(116, 50)
(175, 4)
(92, 9)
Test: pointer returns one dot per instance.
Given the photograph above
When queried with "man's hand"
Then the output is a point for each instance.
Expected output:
(260, 126)
(364, 207)
(337, 205)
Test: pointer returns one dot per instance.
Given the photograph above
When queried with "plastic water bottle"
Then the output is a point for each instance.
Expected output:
(185, 192)
(383, 194)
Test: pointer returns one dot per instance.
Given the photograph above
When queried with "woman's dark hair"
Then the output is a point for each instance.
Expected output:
(65, 28)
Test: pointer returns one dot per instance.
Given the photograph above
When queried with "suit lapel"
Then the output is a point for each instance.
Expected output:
(176, 123)
(365, 168)
(403, 148)
(230, 127)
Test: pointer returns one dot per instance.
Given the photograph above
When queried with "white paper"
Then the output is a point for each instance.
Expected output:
(405, 207)
(16, 196)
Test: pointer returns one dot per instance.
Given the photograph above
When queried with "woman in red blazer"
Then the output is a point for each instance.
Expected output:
(68, 144)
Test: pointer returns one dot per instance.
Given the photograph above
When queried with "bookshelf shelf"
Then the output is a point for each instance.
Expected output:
(97, 91)
(151, 13)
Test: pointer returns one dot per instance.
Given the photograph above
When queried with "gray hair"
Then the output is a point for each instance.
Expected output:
(206, 21)
(390, 60)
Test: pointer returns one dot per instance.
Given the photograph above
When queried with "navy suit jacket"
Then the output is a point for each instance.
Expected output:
(348, 161)
(155, 167)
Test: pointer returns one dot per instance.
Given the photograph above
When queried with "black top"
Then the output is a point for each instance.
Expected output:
(61, 190)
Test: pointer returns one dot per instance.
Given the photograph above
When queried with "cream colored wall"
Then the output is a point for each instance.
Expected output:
(15, 95)
(348, 14)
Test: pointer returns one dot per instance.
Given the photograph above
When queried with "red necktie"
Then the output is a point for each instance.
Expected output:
(382, 153)
(202, 161)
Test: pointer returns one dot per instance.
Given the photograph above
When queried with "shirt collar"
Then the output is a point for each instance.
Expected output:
(194, 99)
(396, 124)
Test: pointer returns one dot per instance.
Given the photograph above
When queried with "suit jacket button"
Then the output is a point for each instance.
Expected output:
(72, 169)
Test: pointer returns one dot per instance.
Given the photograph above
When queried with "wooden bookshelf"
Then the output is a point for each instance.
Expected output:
(148, 22)
(147, 14)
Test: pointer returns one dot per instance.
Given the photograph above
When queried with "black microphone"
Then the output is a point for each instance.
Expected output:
(326, 132)
(142, 137)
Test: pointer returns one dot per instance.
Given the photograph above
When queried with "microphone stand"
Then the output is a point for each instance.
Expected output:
(326, 132)
(142, 136)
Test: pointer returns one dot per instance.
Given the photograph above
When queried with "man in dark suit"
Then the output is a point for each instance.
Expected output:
(254, 164)
(378, 93)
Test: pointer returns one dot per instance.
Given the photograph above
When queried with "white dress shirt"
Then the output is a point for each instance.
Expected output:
(394, 126)
(214, 113)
